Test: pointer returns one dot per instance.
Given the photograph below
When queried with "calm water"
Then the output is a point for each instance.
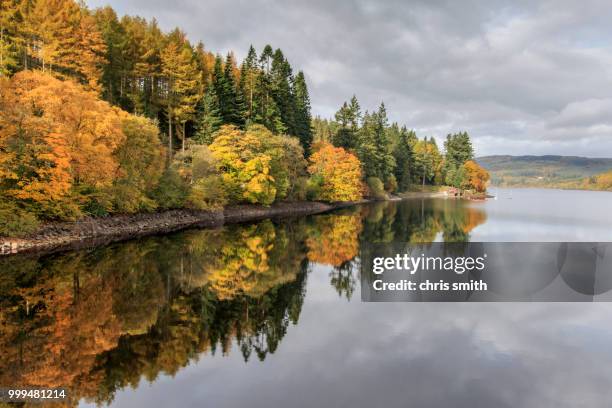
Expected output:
(269, 315)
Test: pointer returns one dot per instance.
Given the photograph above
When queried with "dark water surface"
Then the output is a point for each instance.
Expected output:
(269, 315)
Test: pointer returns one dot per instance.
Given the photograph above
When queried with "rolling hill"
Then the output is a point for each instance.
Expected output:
(542, 171)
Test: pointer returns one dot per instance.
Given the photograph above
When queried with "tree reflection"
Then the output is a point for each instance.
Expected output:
(96, 321)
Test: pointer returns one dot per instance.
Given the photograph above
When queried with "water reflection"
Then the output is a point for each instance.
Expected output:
(98, 321)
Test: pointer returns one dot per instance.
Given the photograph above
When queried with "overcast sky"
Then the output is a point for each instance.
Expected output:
(532, 77)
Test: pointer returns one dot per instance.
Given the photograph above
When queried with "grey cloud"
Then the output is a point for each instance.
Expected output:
(521, 77)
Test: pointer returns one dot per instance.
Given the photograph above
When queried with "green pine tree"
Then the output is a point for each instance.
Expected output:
(348, 117)
(249, 79)
(229, 100)
(209, 118)
(281, 79)
(404, 157)
(303, 118)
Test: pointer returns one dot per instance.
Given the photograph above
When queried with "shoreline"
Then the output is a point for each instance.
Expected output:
(91, 232)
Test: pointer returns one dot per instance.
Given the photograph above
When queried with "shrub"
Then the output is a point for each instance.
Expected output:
(391, 184)
(172, 190)
(314, 186)
(207, 193)
(376, 188)
(15, 221)
(300, 190)
(205, 187)
(128, 198)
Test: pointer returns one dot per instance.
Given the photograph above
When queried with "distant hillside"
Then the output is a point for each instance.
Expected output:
(542, 171)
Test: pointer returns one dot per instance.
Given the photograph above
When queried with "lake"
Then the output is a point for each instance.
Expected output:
(269, 314)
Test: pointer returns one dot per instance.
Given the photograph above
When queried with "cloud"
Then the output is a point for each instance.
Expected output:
(521, 77)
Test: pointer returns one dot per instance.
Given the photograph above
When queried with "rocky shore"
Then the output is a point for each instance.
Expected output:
(91, 232)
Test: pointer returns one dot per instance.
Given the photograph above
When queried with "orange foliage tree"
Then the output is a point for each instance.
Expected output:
(62, 37)
(336, 173)
(476, 177)
(57, 141)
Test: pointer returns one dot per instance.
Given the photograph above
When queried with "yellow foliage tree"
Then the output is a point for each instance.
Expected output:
(337, 173)
(257, 166)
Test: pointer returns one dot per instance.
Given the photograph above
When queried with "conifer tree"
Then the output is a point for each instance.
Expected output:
(386, 162)
(303, 118)
(281, 78)
(231, 106)
(403, 155)
(114, 37)
(8, 30)
(209, 118)
(249, 73)
(459, 150)
(232, 97)
(348, 117)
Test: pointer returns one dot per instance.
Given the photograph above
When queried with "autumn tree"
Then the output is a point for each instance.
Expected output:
(61, 36)
(476, 177)
(55, 137)
(140, 165)
(257, 166)
(245, 166)
(335, 174)
(604, 181)
(64, 152)
(428, 161)
(8, 34)
(183, 91)
(199, 170)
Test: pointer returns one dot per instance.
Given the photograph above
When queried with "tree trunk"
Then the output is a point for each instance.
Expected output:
(170, 136)
(1, 48)
(184, 137)
(251, 99)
